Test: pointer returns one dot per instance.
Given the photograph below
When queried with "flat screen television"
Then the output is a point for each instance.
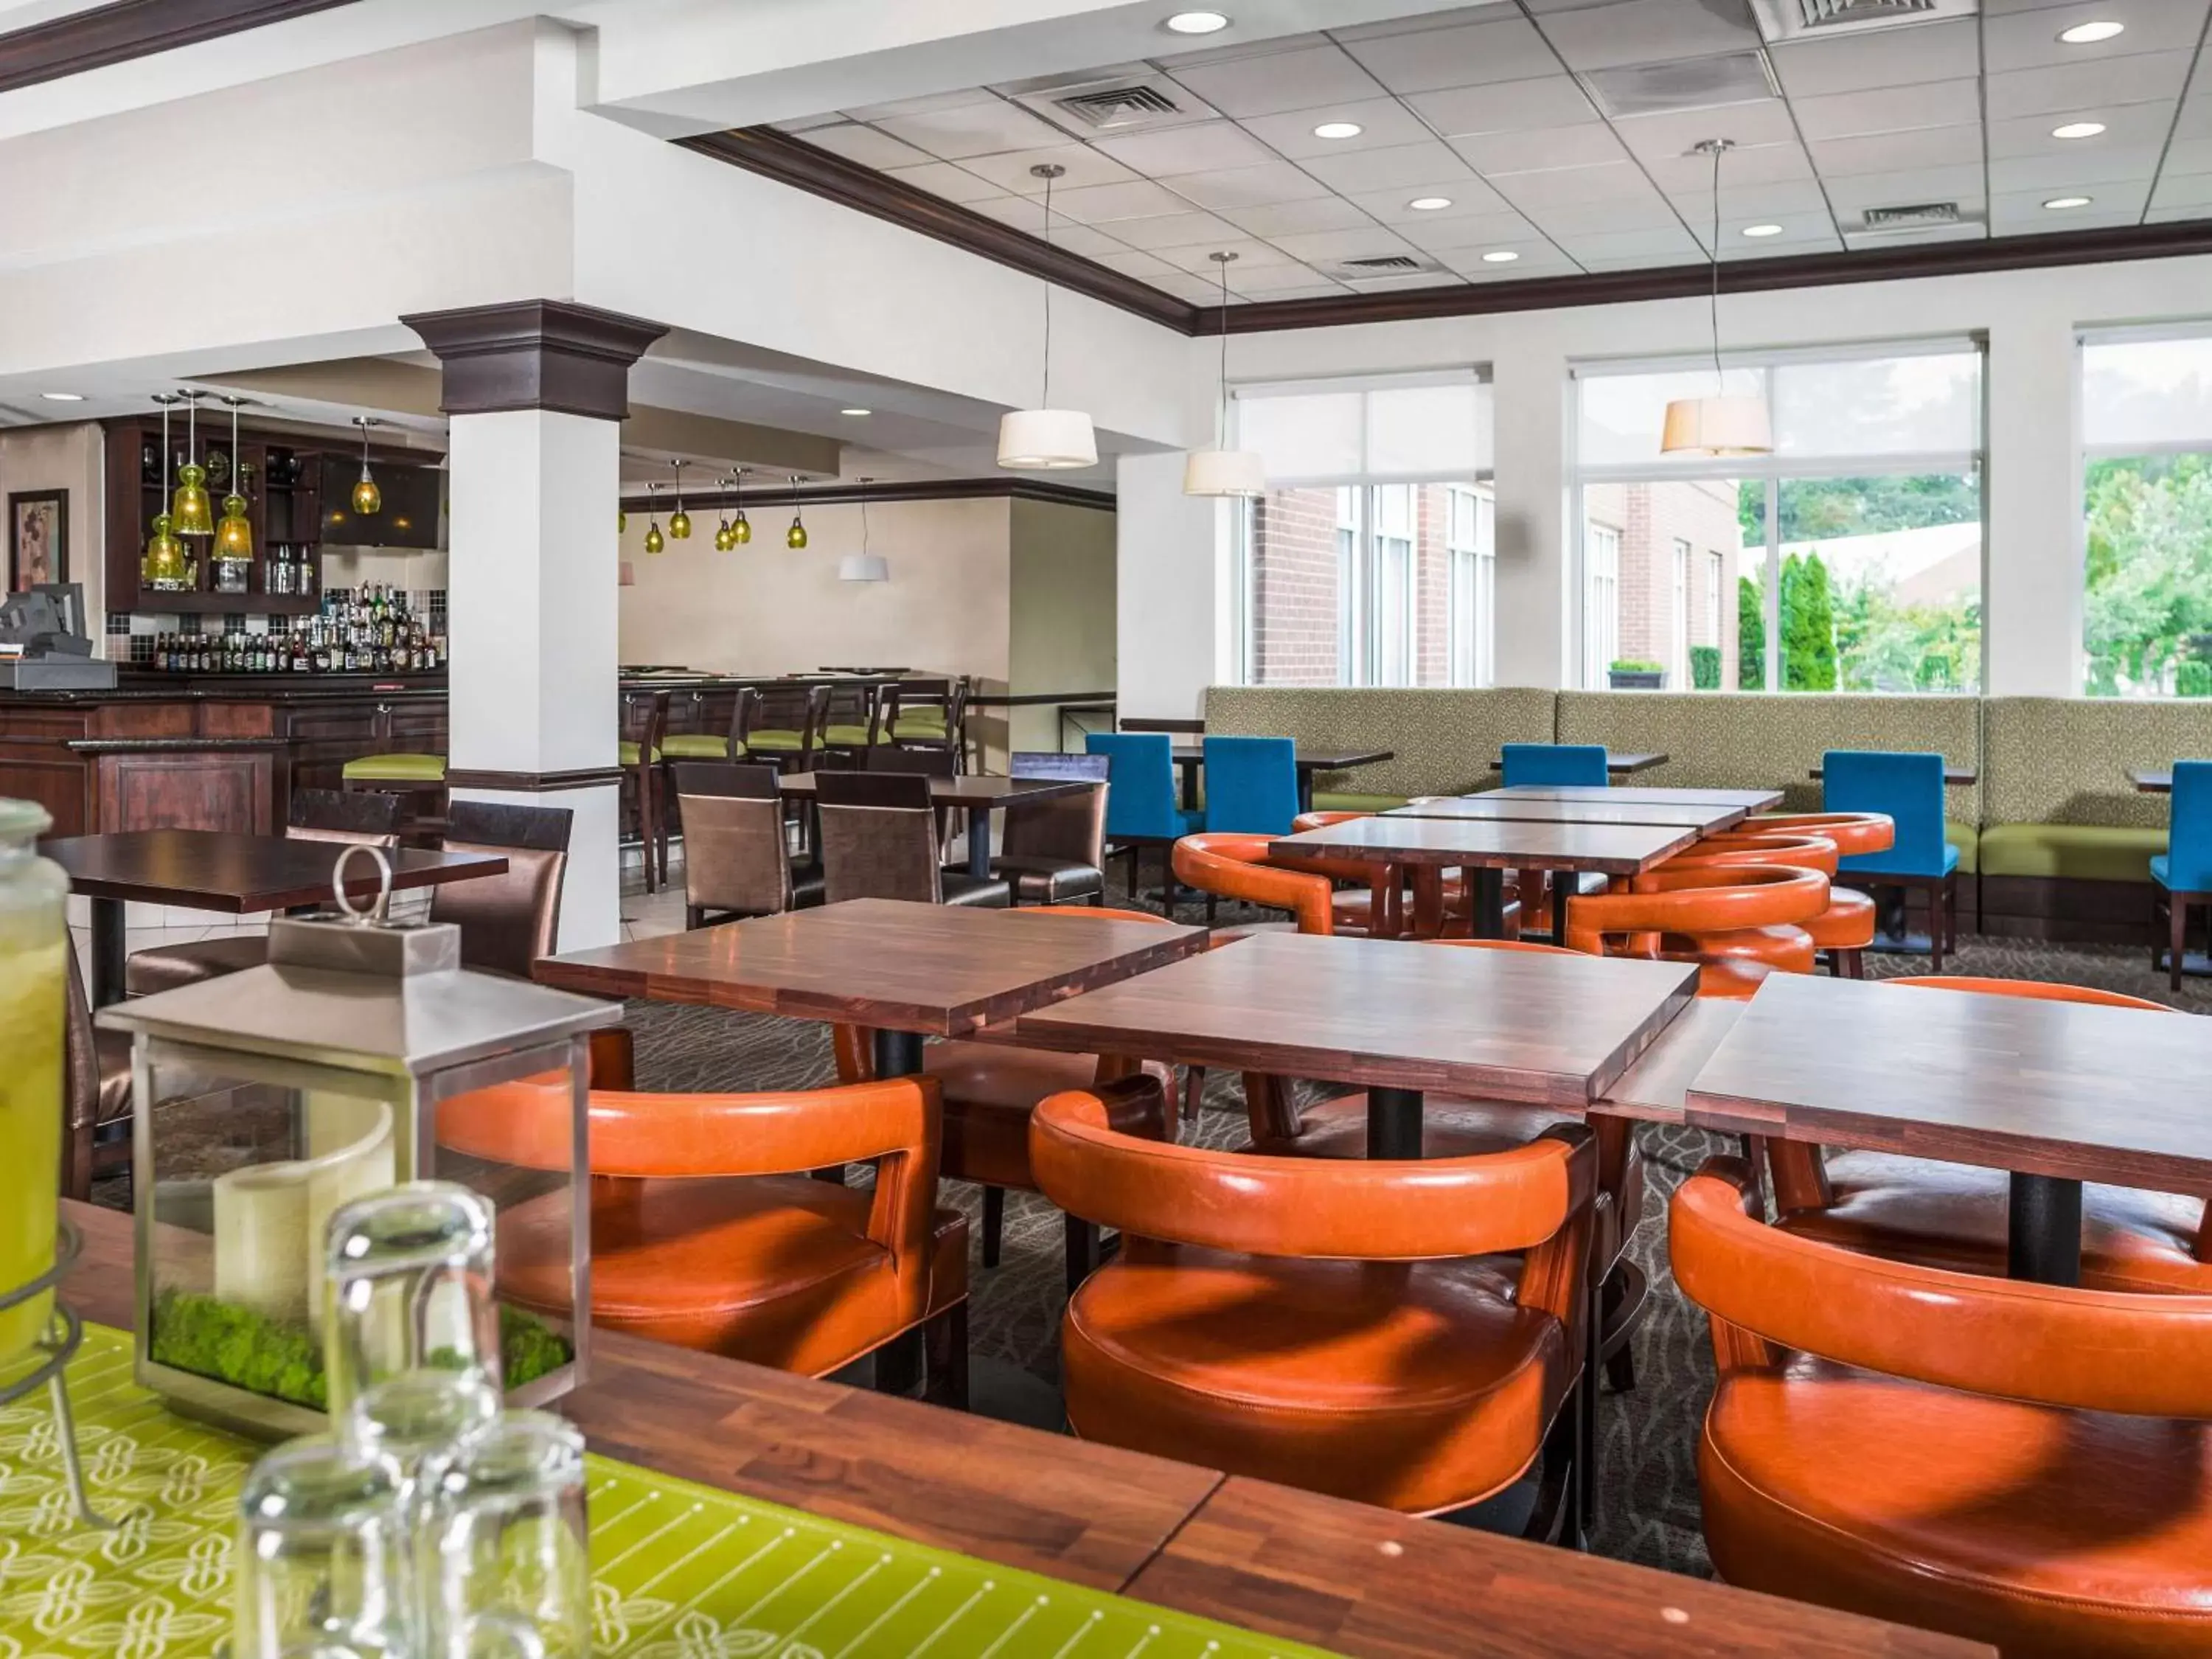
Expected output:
(414, 499)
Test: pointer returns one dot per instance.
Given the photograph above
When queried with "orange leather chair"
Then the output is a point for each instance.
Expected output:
(1421, 901)
(1229, 865)
(1737, 922)
(991, 1084)
(2020, 1464)
(1846, 927)
(1953, 1216)
(708, 1233)
(1327, 1325)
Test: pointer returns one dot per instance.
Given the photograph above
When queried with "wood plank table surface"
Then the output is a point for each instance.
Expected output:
(1310, 759)
(1751, 800)
(1655, 1088)
(1705, 819)
(902, 968)
(977, 794)
(1488, 849)
(1954, 777)
(1397, 1019)
(2152, 783)
(217, 869)
(2057, 1093)
(1619, 762)
(1363, 1582)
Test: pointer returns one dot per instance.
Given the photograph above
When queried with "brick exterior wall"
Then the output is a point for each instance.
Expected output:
(1651, 518)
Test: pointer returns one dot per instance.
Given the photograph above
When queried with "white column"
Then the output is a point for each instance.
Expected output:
(1537, 617)
(532, 617)
(2032, 564)
(1174, 575)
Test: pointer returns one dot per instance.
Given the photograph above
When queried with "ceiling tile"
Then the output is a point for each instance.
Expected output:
(2195, 120)
(1197, 257)
(1920, 185)
(1100, 204)
(2018, 38)
(1132, 261)
(1022, 212)
(1320, 291)
(1824, 242)
(1086, 167)
(2168, 216)
(1899, 152)
(1201, 146)
(1279, 81)
(2189, 156)
(1635, 244)
(1573, 186)
(801, 123)
(2011, 211)
(1878, 57)
(869, 148)
(1475, 11)
(1762, 164)
(1653, 212)
(1327, 246)
(1467, 196)
(1797, 228)
(1536, 260)
(1173, 230)
(1888, 239)
(1470, 55)
(2192, 190)
(1485, 229)
(943, 179)
(1664, 137)
(1395, 284)
(1248, 187)
(2068, 168)
(1196, 289)
(1893, 109)
(1324, 213)
(984, 129)
(1649, 31)
(1082, 239)
(1581, 146)
(2149, 78)
(925, 105)
(2126, 126)
(1644, 261)
(1550, 101)
(1271, 280)
(1754, 201)
(1383, 122)
(1386, 169)
(1233, 50)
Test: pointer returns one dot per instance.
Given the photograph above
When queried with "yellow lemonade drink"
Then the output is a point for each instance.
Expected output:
(34, 938)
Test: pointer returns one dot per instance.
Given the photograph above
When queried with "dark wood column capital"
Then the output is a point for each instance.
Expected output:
(536, 354)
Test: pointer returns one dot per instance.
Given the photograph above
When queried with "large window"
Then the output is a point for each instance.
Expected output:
(1370, 560)
(1854, 551)
(2147, 495)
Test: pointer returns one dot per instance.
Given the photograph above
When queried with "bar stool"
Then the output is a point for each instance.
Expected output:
(418, 780)
(645, 714)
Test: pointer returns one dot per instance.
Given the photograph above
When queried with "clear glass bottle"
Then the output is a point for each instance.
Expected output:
(33, 943)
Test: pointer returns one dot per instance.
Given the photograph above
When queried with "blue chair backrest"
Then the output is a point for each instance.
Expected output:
(1561, 765)
(1908, 787)
(2189, 836)
(1140, 785)
(1251, 785)
(1051, 763)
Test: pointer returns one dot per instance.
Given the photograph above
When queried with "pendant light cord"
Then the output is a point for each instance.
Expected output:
(1221, 398)
(1045, 400)
(1720, 382)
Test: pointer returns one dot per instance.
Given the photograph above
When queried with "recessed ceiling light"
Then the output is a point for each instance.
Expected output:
(62, 397)
(1504, 256)
(1762, 230)
(2078, 130)
(1429, 203)
(856, 411)
(2087, 34)
(2057, 202)
(1337, 130)
(1197, 22)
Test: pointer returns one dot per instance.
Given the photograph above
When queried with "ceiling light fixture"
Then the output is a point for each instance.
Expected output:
(1338, 129)
(2088, 34)
(1197, 22)
(679, 521)
(2078, 130)
(856, 411)
(864, 566)
(1762, 230)
(654, 541)
(1503, 256)
(1429, 203)
(164, 566)
(741, 529)
(1045, 439)
(1222, 471)
(795, 538)
(189, 507)
(62, 397)
(367, 498)
(234, 535)
(2059, 203)
(725, 537)
(1718, 425)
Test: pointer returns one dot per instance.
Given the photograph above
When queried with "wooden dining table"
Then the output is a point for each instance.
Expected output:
(1705, 818)
(1619, 762)
(1361, 1582)
(1309, 758)
(976, 795)
(233, 874)
(1750, 800)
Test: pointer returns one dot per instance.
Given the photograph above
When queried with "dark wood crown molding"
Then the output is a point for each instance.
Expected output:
(124, 29)
(536, 354)
(768, 494)
(793, 161)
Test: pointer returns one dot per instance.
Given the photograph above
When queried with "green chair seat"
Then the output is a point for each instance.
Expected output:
(626, 752)
(850, 736)
(396, 769)
(1968, 839)
(919, 727)
(2077, 852)
(774, 742)
(1333, 800)
(696, 745)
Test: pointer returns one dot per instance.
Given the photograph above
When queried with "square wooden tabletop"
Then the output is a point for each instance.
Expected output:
(940, 969)
(1706, 819)
(1655, 1089)
(2072, 1090)
(241, 874)
(1751, 800)
(1556, 1030)
(1616, 849)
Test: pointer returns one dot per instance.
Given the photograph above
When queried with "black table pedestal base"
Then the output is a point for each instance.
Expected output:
(898, 1054)
(1489, 895)
(1393, 1124)
(109, 949)
(2043, 1237)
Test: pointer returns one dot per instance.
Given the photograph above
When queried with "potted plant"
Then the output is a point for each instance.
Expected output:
(1704, 668)
(1633, 674)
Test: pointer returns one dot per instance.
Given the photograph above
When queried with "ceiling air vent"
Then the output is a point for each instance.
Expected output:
(1383, 264)
(1095, 107)
(1796, 20)
(1915, 215)
(1681, 83)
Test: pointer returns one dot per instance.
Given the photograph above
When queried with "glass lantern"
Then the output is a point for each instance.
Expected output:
(359, 1056)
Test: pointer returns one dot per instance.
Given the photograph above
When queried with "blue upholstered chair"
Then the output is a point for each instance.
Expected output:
(1141, 800)
(1561, 765)
(1909, 788)
(1251, 785)
(2183, 871)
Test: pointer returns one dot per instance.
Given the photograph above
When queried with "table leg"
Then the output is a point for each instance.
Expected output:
(898, 1054)
(1394, 1123)
(1189, 770)
(108, 950)
(1489, 902)
(1305, 790)
(2043, 1230)
(979, 842)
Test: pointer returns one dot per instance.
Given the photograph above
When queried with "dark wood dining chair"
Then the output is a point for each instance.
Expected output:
(645, 723)
(930, 713)
(736, 857)
(1054, 851)
(506, 921)
(879, 840)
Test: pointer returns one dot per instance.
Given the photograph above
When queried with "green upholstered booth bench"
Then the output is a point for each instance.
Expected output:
(1441, 741)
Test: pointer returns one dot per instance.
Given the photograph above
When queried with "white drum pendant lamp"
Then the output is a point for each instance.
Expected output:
(864, 566)
(1222, 471)
(1045, 439)
(1720, 425)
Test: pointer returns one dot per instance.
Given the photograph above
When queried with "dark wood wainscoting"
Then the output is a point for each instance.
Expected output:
(2054, 908)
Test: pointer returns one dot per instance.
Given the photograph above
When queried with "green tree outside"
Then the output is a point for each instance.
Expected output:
(2147, 611)
(1808, 625)
(1751, 636)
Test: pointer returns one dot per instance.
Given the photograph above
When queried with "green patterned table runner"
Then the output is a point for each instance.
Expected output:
(681, 1570)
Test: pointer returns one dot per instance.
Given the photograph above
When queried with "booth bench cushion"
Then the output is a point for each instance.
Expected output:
(2073, 852)
(1441, 741)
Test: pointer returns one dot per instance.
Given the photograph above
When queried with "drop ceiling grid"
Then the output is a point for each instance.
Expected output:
(1504, 128)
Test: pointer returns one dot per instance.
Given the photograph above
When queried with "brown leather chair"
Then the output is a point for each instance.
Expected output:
(1954, 1216)
(357, 819)
(737, 861)
(708, 1233)
(1053, 852)
(1346, 1327)
(2018, 1464)
(644, 728)
(991, 1085)
(506, 921)
(879, 840)
(95, 1095)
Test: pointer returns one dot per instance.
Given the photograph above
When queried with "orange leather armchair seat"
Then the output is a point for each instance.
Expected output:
(1847, 927)
(1229, 865)
(2020, 1464)
(1954, 1216)
(1327, 1325)
(708, 1233)
(1737, 922)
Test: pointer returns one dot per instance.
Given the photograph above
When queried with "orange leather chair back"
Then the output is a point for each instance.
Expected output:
(1854, 833)
(1792, 852)
(2085, 1350)
(1236, 866)
(1697, 899)
(2042, 990)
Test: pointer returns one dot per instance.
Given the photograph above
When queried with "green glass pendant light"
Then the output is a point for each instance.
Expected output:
(795, 538)
(189, 508)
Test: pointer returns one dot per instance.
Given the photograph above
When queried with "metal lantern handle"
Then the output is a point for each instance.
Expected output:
(374, 912)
